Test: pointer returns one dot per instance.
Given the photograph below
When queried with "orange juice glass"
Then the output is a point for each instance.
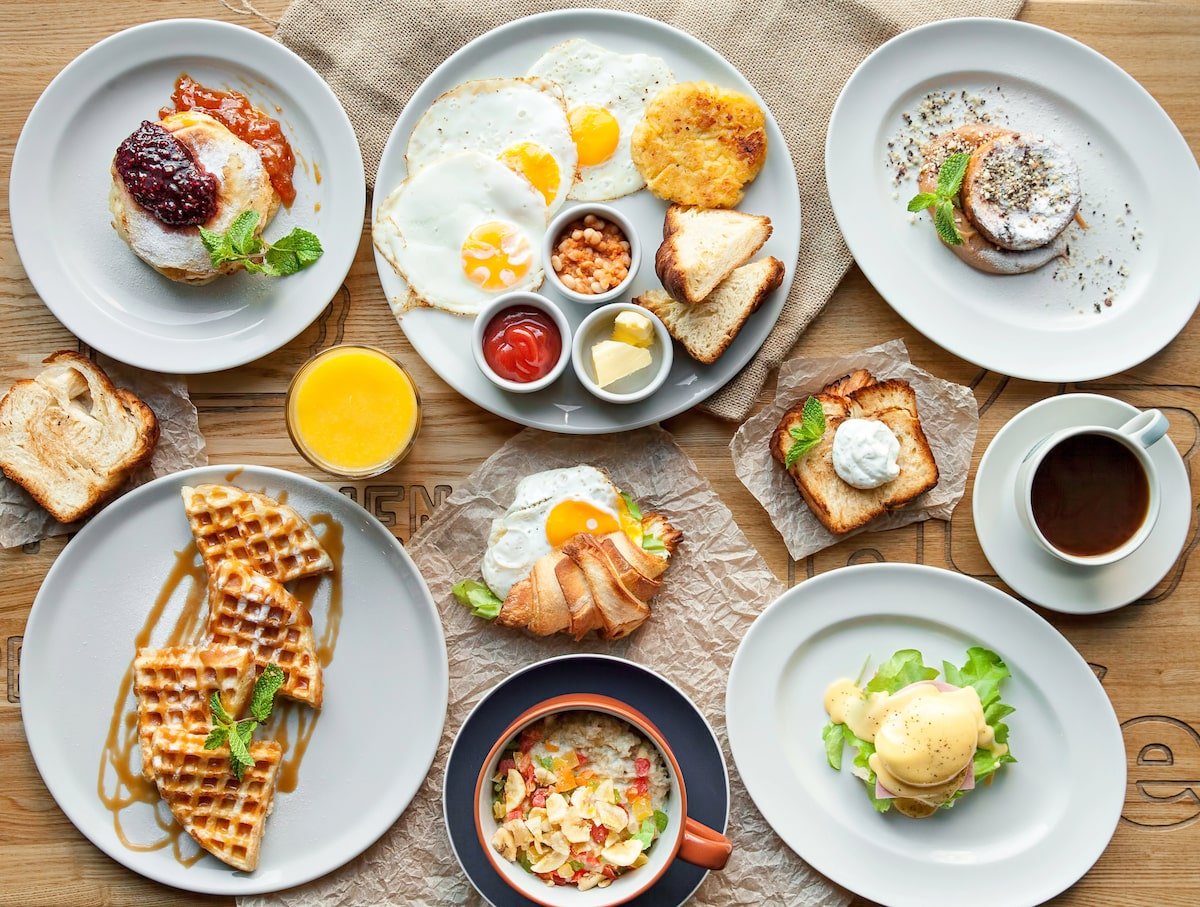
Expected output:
(353, 411)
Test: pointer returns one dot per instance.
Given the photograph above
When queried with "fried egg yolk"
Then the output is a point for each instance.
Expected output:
(596, 134)
(537, 165)
(495, 255)
(569, 518)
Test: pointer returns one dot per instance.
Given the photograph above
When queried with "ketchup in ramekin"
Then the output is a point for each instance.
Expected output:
(522, 344)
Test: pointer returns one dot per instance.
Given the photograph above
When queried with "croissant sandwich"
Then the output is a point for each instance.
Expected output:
(583, 558)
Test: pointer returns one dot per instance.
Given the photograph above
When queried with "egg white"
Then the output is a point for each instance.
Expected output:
(421, 226)
(518, 538)
(622, 84)
(492, 115)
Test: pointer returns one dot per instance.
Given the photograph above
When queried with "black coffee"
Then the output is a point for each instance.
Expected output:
(1090, 495)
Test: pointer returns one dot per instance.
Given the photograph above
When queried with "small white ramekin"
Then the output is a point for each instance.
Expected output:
(581, 359)
(575, 213)
(520, 299)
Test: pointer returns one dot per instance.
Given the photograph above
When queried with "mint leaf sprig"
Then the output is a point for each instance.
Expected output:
(285, 256)
(945, 198)
(227, 731)
(808, 433)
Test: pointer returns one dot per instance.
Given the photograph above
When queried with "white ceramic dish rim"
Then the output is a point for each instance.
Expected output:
(661, 336)
(826, 852)
(483, 702)
(582, 210)
(1106, 348)
(161, 40)
(234, 882)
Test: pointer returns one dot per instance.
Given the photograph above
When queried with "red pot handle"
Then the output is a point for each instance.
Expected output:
(704, 847)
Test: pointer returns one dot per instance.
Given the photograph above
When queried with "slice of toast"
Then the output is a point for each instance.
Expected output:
(839, 506)
(707, 328)
(703, 246)
(70, 437)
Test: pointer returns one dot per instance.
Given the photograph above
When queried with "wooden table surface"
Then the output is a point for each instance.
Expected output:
(1145, 655)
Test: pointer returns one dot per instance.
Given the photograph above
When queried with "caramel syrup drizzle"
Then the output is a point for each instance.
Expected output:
(119, 784)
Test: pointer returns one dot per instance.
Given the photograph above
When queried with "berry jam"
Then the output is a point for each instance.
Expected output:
(163, 178)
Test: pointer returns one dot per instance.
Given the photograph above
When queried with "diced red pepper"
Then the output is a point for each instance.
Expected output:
(642, 767)
(539, 796)
(599, 833)
(528, 739)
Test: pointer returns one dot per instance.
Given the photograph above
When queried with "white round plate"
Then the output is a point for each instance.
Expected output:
(91, 280)
(1042, 326)
(385, 690)
(444, 340)
(1028, 568)
(1021, 840)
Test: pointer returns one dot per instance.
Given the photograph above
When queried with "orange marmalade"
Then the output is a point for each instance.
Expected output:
(245, 121)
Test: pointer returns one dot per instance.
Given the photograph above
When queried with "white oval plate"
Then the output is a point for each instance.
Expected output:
(1028, 836)
(444, 340)
(1032, 325)
(1032, 571)
(91, 280)
(385, 691)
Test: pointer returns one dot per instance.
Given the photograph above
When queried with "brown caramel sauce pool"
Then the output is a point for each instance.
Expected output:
(119, 784)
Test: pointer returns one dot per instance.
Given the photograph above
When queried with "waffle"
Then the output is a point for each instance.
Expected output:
(173, 687)
(225, 816)
(254, 612)
(231, 524)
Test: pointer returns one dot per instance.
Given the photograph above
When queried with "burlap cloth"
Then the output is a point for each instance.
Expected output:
(375, 53)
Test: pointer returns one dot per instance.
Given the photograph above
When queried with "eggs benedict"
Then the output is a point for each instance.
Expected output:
(921, 742)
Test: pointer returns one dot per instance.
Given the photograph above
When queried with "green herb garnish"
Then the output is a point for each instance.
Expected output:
(944, 199)
(482, 601)
(808, 433)
(285, 256)
(238, 734)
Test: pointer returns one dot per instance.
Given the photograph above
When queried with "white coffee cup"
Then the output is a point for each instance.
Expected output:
(1137, 435)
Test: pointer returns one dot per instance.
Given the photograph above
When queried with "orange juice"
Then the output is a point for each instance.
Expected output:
(353, 411)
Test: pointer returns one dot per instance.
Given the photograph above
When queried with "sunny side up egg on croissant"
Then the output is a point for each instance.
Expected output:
(572, 554)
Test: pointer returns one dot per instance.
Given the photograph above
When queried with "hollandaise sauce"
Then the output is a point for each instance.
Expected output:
(353, 411)
(925, 735)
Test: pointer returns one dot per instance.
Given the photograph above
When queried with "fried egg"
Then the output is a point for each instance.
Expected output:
(551, 508)
(606, 95)
(461, 231)
(520, 122)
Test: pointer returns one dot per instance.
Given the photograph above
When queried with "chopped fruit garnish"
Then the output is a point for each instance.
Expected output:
(599, 833)
(642, 767)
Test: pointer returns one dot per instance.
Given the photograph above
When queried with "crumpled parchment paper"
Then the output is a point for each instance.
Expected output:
(949, 418)
(180, 446)
(713, 591)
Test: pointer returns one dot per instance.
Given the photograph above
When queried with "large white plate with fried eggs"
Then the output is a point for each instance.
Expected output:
(1020, 840)
(92, 281)
(444, 340)
(1132, 280)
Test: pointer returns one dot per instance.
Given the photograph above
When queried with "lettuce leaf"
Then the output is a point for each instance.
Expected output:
(905, 667)
(984, 670)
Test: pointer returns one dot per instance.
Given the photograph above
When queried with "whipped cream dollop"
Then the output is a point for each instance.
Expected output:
(865, 453)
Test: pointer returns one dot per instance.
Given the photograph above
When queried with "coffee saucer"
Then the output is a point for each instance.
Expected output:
(1030, 570)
